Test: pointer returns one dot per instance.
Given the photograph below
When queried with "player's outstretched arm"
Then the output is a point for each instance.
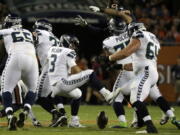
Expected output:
(133, 45)
(125, 14)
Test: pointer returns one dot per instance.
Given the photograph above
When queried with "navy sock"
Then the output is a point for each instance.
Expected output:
(141, 109)
(95, 82)
(46, 104)
(118, 108)
(57, 100)
(7, 99)
(163, 104)
(30, 98)
(75, 106)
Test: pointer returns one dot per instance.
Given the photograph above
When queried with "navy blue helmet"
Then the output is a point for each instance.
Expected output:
(69, 41)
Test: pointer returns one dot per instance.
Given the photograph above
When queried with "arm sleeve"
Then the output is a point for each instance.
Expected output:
(5, 32)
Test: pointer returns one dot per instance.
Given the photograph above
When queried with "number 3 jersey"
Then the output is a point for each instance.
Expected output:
(44, 40)
(18, 40)
(117, 43)
(146, 55)
(60, 62)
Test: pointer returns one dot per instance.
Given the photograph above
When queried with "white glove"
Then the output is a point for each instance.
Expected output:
(94, 8)
(80, 21)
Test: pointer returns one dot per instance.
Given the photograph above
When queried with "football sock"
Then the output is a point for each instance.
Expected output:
(7, 99)
(30, 98)
(75, 106)
(119, 110)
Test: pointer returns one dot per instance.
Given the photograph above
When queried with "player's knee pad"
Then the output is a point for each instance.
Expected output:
(119, 98)
(76, 93)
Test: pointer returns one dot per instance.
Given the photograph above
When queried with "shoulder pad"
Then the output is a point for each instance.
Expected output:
(138, 34)
(71, 54)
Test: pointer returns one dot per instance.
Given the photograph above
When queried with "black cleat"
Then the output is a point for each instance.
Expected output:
(12, 123)
(151, 129)
(175, 122)
(102, 120)
(20, 122)
(59, 119)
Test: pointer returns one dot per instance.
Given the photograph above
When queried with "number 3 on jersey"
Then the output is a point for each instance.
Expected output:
(151, 51)
(52, 61)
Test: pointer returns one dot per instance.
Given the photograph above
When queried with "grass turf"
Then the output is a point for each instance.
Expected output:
(88, 116)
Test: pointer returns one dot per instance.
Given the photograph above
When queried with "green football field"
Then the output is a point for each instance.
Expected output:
(88, 116)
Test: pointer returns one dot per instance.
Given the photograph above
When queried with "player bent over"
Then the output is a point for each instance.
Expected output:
(21, 64)
(65, 75)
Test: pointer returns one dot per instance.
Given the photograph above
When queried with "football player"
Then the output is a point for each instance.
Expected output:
(154, 91)
(44, 39)
(21, 64)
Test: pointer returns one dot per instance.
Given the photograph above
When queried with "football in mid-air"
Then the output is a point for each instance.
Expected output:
(102, 120)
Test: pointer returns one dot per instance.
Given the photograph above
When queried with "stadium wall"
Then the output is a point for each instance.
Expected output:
(166, 59)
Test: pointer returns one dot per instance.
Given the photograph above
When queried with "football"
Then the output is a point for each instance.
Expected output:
(102, 120)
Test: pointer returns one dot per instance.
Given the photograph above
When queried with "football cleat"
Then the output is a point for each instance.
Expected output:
(175, 122)
(59, 119)
(12, 123)
(75, 123)
(102, 120)
(20, 122)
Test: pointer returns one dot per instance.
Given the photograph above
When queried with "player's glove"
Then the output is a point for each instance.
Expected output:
(80, 21)
(94, 8)
(102, 120)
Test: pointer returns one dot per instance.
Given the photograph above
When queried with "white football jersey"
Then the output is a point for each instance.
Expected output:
(18, 40)
(116, 43)
(146, 55)
(60, 62)
(45, 40)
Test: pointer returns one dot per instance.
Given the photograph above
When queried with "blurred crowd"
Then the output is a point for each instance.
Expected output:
(160, 18)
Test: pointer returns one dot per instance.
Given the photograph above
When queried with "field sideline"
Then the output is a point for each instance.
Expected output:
(88, 118)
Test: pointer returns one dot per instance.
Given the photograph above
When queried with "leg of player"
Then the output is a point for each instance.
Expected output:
(95, 83)
(34, 120)
(30, 78)
(79, 79)
(165, 107)
(59, 114)
(120, 112)
(140, 89)
(9, 79)
(75, 104)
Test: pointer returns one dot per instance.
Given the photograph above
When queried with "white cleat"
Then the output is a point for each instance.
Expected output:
(75, 123)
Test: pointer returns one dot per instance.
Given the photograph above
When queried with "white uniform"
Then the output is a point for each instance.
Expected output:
(60, 62)
(45, 40)
(21, 62)
(113, 44)
(144, 66)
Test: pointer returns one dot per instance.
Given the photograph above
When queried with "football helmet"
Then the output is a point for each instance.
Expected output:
(69, 41)
(43, 24)
(117, 25)
(134, 26)
(12, 20)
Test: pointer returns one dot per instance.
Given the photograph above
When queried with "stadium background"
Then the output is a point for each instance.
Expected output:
(161, 17)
